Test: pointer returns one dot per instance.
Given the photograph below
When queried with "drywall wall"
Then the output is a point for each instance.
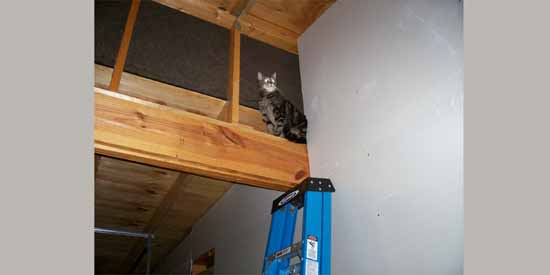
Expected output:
(236, 226)
(383, 92)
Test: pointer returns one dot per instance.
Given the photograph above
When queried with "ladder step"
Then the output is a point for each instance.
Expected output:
(288, 252)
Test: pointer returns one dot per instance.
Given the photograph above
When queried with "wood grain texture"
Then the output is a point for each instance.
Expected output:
(208, 11)
(110, 251)
(269, 33)
(175, 97)
(124, 45)
(234, 76)
(160, 214)
(228, 5)
(196, 196)
(276, 22)
(242, 7)
(126, 196)
(146, 132)
(142, 198)
(97, 158)
(293, 15)
(205, 10)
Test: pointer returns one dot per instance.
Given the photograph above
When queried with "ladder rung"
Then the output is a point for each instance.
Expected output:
(288, 252)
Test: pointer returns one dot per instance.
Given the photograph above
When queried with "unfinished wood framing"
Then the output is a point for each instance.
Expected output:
(124, 45)
(242, 7)
(251, 26)
(149, 136)
(160, 213)
(146, 132)
(292, 15)
(234, 76)
(175, 97)
(278, 23)
(141, 198)
(126, 196)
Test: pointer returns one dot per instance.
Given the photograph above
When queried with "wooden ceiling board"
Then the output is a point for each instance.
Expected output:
(293, 15)
(228, 5)
(161, 250)
(204, 10)
(109, 251)
(132, 197)
(120, 223)
(275, 22)
(195, 198)
(126, 195)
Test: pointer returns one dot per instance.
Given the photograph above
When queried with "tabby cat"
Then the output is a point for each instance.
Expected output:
(281, 117)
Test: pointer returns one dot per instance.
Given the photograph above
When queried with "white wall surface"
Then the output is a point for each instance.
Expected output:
(383, 92)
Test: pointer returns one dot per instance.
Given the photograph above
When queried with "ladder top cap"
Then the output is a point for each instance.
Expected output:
(296, 194)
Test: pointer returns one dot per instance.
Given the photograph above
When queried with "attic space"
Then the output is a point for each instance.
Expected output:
(278, 137)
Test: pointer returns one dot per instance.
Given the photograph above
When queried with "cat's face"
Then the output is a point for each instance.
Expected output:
(268, 84)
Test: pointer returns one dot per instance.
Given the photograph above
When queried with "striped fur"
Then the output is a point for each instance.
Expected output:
(281, 117)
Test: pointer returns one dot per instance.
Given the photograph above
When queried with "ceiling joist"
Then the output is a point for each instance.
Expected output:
(249, 25)
(149, 133)
(176, 97)
(124, 45)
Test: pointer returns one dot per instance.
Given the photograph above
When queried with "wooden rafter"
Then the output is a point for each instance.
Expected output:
(126, 197)
(242, 7)
(124, 45)
(176, 97)
(146, 132)
(234, 76)
(97, 158)
(161, 212)
(252, 27)
(197, 195)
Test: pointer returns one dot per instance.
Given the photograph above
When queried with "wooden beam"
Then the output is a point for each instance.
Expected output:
(169, 199)
(146, 132)
(296, 16)
(161, 212)
(274, 35)
(126, 197)
(97, 158)
(234, 76)
(264, 31)
(124, 45)
(196, 196)
(242, 7)
(203, 10)
(176, 97)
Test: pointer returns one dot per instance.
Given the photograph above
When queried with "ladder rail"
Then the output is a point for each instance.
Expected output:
(314, 196)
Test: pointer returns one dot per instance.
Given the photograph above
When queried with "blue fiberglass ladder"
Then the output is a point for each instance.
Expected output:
(311, 256)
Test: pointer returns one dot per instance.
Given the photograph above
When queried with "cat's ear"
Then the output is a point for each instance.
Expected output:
(274, 76)
(260, 76)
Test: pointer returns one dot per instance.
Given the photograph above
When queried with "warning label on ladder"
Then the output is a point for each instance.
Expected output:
(311, 252)
(312, 267)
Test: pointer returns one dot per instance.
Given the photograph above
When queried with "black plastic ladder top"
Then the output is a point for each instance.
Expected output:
(296, 194)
